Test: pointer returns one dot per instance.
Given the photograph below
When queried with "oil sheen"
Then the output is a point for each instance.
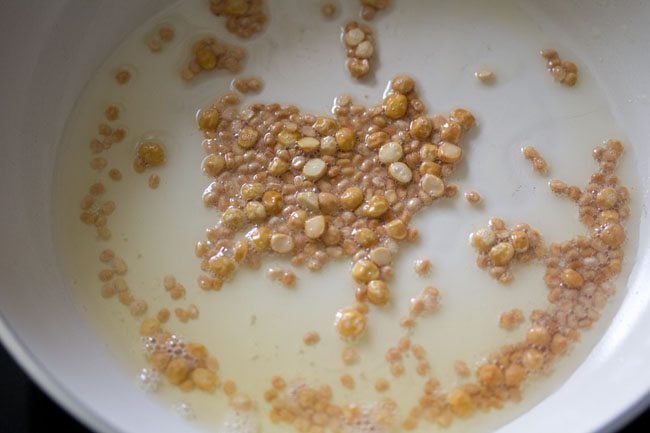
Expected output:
(254, 326)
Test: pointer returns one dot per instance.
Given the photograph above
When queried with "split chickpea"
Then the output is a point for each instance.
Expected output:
(350, 323)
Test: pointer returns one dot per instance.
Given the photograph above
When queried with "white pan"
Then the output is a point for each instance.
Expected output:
(49, 50)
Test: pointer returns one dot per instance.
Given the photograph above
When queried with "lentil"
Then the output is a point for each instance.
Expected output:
(563, 72)
(122, 76)
(285, 277)
(311, 338)
(328, 10)
(422, 267)
(106, 255)
(489, 375)
(382, 385)
(244, 18)
(163, 315)
(347, 381)
(473, 197)
(115, 174)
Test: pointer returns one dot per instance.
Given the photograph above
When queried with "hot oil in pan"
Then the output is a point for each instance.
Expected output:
(255, 327)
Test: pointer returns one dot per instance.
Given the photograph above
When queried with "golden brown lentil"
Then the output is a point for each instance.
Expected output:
(278, 383)
(166, 32)
(125, 298)
(472, 197)
(115, 174)
(382, 385)
(122, 76)
(112, 113)
(105, 275)
(106, 255)
(404, 344)
(564, 72)
(311, 338)
(118, 266)
(396, 369)
(163, 315)
(422, 267)
(347, 381)
(538, 162)
(181, 315)
(328, 9)
(97, 189)
(286, 277)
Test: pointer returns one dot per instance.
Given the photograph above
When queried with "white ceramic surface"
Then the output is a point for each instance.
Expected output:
(50, 49)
